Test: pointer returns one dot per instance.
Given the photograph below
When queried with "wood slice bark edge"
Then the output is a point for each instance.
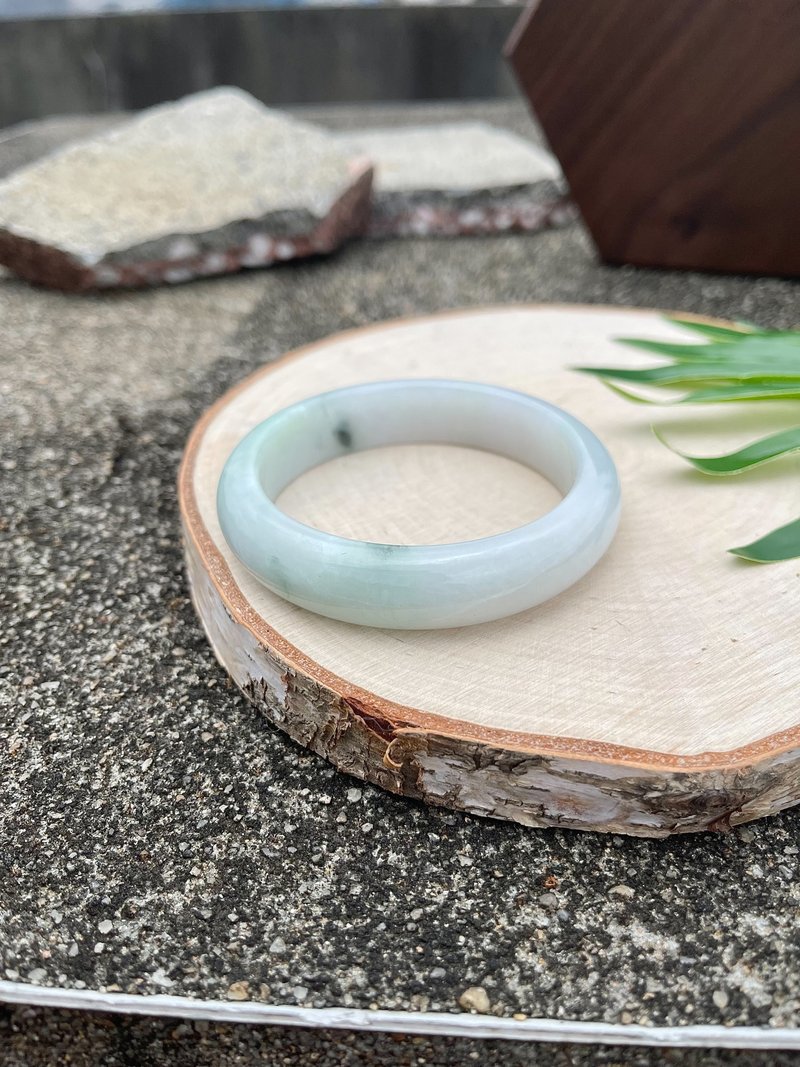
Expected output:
(529, 779)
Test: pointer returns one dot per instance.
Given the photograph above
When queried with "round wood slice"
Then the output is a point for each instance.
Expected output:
(657, 696)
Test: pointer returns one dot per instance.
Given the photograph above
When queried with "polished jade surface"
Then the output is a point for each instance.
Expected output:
(419, 586)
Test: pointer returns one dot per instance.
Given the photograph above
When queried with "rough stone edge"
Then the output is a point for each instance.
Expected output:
(530, 788)
(53, 267)
(484, 213)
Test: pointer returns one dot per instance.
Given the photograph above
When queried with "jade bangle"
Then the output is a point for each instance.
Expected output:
(419, 586)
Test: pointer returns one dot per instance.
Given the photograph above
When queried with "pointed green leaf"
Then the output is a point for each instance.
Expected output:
(716, 333)
(743, 459)
(677, 350)
(780, 544)
(737, 363)
(779, 348)
(729, 392)
(633, 396)
(767, 348)
(696, 373)
(750, 391)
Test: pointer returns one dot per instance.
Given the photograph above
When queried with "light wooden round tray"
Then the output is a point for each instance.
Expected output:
(657, 696)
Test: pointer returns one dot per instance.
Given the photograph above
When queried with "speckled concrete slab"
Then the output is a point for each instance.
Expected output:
(459, 178)
(35, 1037)
(207, 185)
(156, 836)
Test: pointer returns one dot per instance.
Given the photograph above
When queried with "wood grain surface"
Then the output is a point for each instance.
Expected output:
(677, 125)
(671, 657)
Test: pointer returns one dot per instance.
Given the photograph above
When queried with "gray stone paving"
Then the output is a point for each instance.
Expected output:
(33, 1037)
(157, 836)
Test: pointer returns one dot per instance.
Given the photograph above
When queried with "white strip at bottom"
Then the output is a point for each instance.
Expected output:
(405, 1022)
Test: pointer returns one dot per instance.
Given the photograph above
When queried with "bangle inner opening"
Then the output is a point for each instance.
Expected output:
(418, 494)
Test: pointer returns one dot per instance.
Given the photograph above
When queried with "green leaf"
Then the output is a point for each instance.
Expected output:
(736, 363)
(743, 459)
(765, 349)
(720, 394)
(716, 333)
(633, 396)
(677, 350)
(751, 391)
(698, 373)
(781, 544)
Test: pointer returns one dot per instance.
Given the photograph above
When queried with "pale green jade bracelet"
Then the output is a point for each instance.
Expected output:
(419, 587)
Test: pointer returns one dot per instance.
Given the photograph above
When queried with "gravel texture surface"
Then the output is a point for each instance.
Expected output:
(157, 836)
(34, 1037)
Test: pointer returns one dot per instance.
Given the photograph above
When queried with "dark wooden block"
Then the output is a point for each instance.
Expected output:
(677, 125)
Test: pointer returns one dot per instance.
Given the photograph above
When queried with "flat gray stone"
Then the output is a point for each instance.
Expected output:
(207, 185)
(28, 141)
(459, 178)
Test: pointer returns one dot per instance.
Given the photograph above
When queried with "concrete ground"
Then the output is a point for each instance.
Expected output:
(157, 836)
(33, 1037)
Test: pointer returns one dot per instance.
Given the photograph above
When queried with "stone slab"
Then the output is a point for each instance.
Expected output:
(435, 178)
(207, 185)
(459, 178)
